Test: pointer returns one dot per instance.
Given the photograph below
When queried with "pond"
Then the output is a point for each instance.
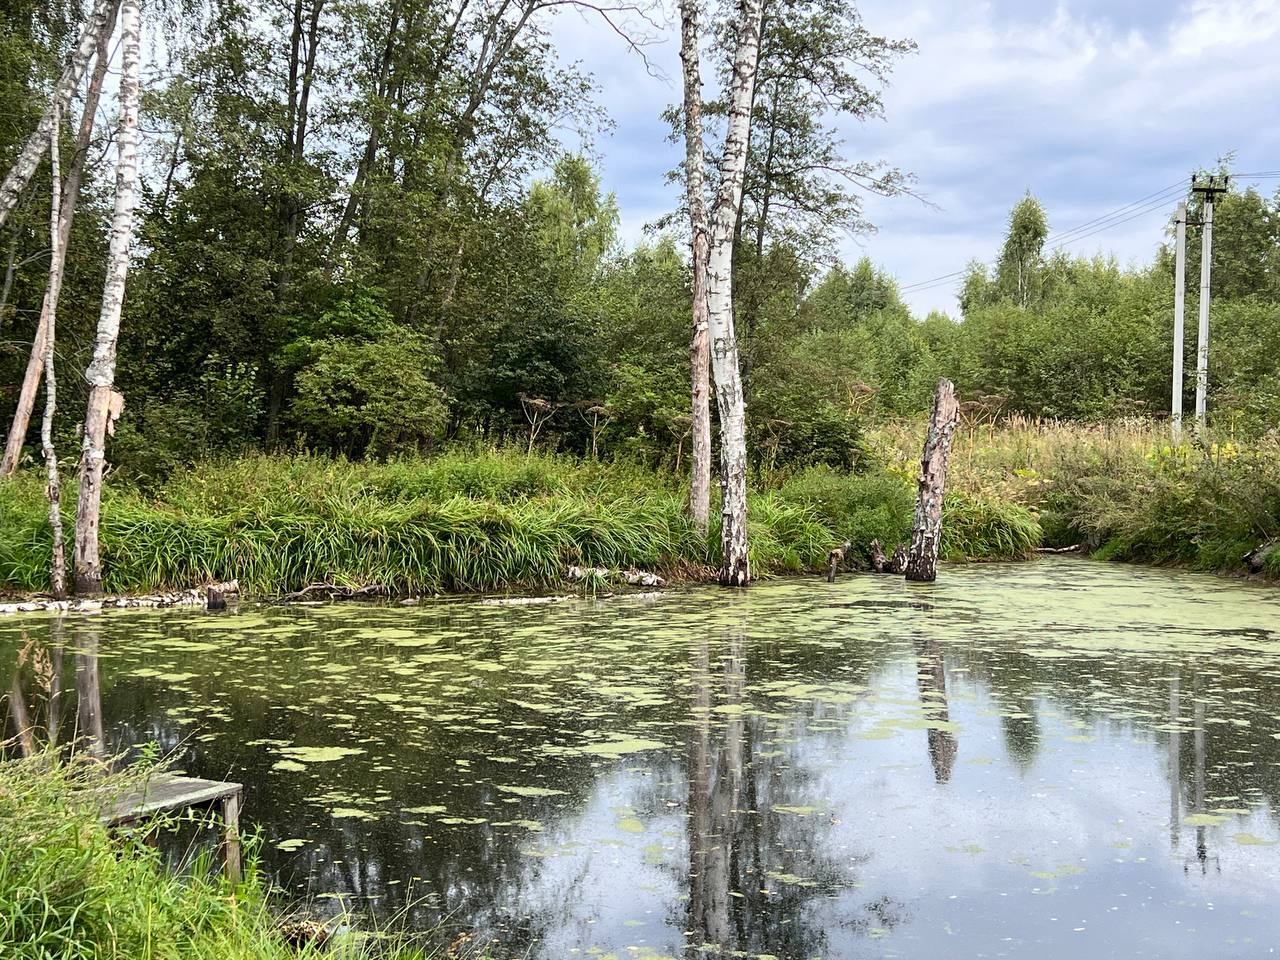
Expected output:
(1060, 759)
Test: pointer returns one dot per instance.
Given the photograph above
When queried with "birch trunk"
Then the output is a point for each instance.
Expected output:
(58, 560)
(24, 167)
(926, 531)
(70, 197)
(699, 347)
(735, 569)
(104, 403)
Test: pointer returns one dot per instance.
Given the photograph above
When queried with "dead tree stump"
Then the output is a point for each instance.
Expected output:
(878, 560)
(835, 558)
(899, 562)
(926, 531)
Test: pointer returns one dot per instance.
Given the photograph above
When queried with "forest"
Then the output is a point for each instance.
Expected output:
(372, 234)
(311, 301)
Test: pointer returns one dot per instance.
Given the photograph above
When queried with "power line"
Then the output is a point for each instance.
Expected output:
(1149, 208)
(1100, 224)
(1158, 197)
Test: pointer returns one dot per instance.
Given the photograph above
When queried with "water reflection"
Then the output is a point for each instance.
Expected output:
(701, 776)
(931, 678)
(36, 705)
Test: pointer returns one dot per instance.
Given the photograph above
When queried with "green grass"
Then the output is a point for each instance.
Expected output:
(71, 891)
(1187, 506)
(1120, 488)
(466, 521)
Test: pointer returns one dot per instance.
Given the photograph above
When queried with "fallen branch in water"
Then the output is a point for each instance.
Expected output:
(1074, 548)
(333, 591)
(882, 564)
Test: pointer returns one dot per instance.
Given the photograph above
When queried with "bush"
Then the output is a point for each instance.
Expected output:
(873, 506)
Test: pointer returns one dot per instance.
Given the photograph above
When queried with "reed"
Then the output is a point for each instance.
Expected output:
(70, 890)
(463, 522)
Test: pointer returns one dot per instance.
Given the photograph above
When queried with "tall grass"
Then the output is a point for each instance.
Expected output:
(1120, 488)
(71, 891)
(473, 521)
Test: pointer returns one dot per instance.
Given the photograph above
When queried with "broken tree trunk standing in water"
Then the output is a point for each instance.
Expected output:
(105, 403)
(926, 531)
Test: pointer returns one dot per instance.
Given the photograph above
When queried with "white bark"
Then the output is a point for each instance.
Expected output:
(699, 347)
(926, 530)
(104, 403)
(735, 569)
(24, 167)
(70, 197)
(58, 560)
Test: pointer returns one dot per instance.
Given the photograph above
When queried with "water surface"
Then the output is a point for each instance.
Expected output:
(1057, 759)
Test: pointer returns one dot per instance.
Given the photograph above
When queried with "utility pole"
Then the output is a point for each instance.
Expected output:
(1179, 307)
(1208, 189)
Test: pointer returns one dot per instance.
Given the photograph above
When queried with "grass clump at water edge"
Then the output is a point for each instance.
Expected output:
(71, 890)
(482, 521)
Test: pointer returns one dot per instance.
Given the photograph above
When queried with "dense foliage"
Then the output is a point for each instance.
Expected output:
(469, 520)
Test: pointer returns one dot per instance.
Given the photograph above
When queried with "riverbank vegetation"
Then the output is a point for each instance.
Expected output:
(332, 358)
(72, 890)
(473, 520)
(1123, 490)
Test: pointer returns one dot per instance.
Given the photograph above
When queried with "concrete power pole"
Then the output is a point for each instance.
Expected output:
(1179, 308)
(1208, 189)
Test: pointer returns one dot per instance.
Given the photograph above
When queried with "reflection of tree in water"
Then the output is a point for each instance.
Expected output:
(37, 708)
(756, 873)
(477, 874)
(931, 679)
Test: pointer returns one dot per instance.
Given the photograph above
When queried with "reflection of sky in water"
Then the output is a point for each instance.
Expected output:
(977, 769)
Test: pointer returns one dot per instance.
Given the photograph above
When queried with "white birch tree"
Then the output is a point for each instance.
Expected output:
(68, 201)
(699, 347)
(104, 403)
(58, 560)
(24, 168)
(735, 568)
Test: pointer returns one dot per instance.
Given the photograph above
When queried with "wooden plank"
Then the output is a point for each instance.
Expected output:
(165, 793)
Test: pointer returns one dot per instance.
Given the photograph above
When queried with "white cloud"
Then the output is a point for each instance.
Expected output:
(1085, 109)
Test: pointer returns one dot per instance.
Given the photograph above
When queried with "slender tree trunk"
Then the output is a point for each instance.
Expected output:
(104, 403)
(58, 560)
(9, 271)
(24, 167)
(735, 568)
(70, 197)
(926, 531)
(381, 92)
(699, 347)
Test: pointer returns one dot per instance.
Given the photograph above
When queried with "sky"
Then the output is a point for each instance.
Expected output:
(1089, 104)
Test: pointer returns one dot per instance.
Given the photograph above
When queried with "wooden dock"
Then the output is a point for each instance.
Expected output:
(167, 793)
